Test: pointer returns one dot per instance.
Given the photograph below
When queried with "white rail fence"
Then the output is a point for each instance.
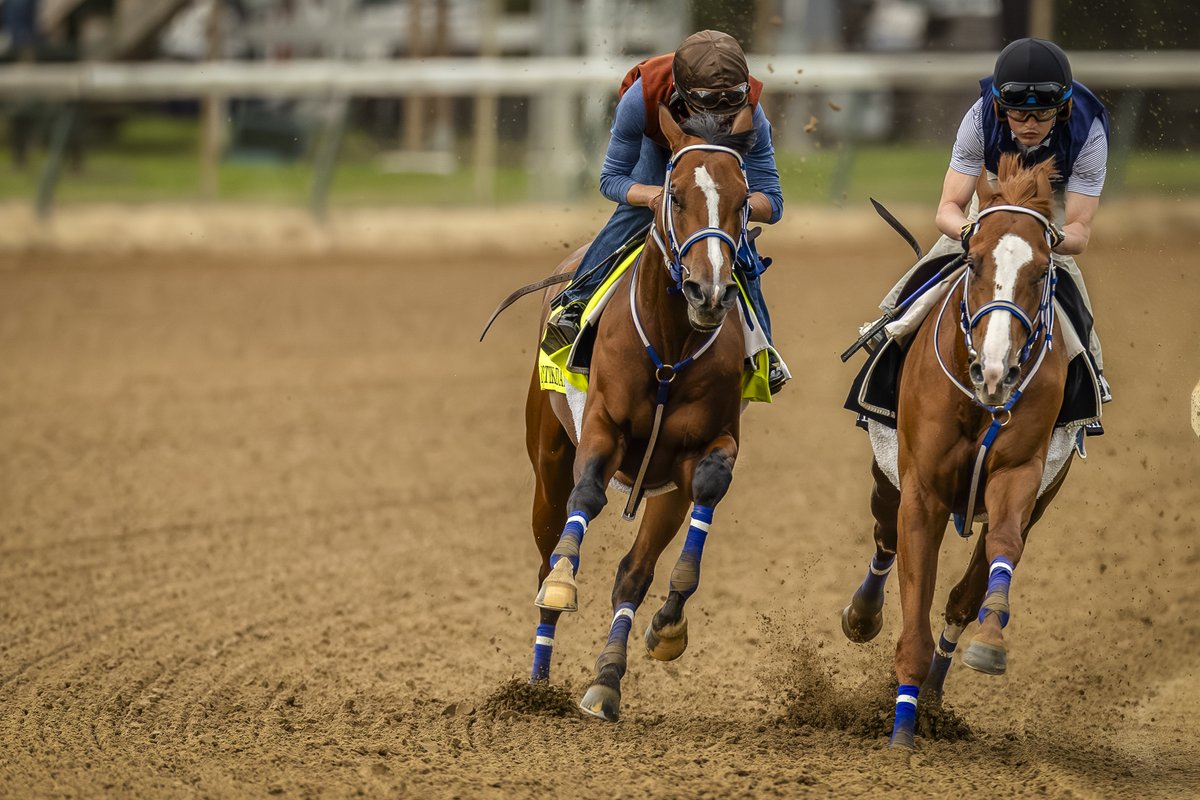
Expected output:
(554, 84)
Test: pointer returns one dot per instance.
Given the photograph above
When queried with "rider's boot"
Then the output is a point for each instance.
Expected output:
(562, 327)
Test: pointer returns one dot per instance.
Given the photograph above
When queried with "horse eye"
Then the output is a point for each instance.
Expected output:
(676, 203)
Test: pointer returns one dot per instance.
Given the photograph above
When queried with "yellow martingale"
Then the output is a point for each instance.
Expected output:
(554, 374)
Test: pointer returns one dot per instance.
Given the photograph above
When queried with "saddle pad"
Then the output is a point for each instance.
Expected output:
(886, 447)
(568, 366)
(874, 391)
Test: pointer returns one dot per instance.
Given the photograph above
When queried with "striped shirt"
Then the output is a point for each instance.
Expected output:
(1087, 174)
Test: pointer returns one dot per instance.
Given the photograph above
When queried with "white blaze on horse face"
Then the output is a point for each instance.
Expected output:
(715, 256)
(1011, 255)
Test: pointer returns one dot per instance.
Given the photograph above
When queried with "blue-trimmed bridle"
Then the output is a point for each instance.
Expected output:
(673, 252)
(1041, 325)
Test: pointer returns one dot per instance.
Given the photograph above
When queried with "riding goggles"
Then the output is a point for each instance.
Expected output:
(1022, 114)
(728, 100)
(1032, 96)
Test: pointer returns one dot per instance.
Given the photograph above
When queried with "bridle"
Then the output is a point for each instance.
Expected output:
(673, 252)
(1040, 325)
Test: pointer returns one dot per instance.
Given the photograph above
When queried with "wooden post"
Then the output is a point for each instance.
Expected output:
(213, 115)
(486, 111)
(414, 104)
(1041, 19)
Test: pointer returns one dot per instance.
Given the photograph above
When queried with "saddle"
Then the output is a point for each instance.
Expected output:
(566, 370)
(875, 390)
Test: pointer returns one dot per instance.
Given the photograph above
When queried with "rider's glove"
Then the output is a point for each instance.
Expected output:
(966, 232)
(1056, 236)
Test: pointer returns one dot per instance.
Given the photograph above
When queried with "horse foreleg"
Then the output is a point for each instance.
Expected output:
(961, 608)
(863, 618)
(666, 635)
(596, 461)
(551, 453)
(1010, 498)
(664, 514)
(922, 523)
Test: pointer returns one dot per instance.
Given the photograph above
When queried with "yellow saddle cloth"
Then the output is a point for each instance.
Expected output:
(560, 369)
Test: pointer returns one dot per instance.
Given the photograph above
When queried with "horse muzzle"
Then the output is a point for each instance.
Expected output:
(993, 382)
(708, 304)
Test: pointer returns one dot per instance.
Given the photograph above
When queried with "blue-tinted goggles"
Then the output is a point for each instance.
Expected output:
(1032, 95)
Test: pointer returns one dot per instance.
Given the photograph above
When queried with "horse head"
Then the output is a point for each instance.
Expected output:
(701, 223)
(1009, 285)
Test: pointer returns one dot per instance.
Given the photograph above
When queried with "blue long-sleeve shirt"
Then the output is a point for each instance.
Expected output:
(624, 148)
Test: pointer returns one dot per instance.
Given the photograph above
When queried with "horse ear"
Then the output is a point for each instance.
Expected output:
(743, 121)
(670, 128)
(983, 188)
(1043, 179)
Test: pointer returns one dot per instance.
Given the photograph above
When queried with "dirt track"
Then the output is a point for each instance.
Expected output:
(263, 531)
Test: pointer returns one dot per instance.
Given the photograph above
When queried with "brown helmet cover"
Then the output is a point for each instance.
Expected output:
(710, 60)
(658, 78)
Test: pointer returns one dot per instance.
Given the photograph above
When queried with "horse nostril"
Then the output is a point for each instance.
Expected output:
(1011, 377)
(693, 293)
(729, 296)
(976, 372)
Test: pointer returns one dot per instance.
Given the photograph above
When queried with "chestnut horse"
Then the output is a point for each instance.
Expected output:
(966, 444)
(663, 404)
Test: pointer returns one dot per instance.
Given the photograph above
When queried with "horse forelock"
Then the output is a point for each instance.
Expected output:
(711, 129)
(1018, 184)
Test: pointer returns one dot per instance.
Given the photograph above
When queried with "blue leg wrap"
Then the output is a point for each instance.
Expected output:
(940, 665)
(906, 715)
(543, 647)
(614, 652)
(877, 575)
(999, 580)
(571, 540)
(685, 578)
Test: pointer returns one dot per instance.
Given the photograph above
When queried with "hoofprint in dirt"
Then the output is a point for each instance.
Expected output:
(264, 531)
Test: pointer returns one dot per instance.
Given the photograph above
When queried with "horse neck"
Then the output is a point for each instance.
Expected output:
(663, 316)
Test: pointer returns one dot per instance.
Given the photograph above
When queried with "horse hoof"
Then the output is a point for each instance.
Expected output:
(602, 702)
(558, 591)
(860, 629)
(903, 741)
(668, 643)
(987, 658)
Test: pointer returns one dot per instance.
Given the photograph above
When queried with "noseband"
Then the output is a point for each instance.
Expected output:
(673, 252)
(1041, 325)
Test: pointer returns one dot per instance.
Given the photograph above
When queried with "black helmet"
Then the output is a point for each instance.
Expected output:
(1032, 74)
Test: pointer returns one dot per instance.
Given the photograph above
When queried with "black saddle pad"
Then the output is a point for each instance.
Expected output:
(875, 390)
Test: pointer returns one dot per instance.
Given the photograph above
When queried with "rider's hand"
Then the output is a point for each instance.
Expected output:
(965, 235)
(1057, 236)
(655, 204)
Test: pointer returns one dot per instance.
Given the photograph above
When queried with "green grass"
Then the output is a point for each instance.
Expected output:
(155, 159)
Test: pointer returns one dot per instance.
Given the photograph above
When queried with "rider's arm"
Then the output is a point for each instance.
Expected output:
(624, 151)
(766, 196)
(1083, 191)
(1080, 211)
(957, 190)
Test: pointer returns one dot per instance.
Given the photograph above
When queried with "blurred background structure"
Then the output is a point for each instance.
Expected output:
(438, 102)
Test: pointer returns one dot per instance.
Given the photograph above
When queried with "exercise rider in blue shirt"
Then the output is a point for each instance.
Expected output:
(707, 74)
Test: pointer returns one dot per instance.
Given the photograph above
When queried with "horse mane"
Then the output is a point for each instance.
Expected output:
(1018, 183)
(715, 130)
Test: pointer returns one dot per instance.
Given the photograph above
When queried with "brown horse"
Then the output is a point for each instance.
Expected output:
(663, 405)
(963, 435)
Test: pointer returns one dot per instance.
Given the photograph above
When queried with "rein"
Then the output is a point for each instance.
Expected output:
(673, 254)
(1041, 325)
